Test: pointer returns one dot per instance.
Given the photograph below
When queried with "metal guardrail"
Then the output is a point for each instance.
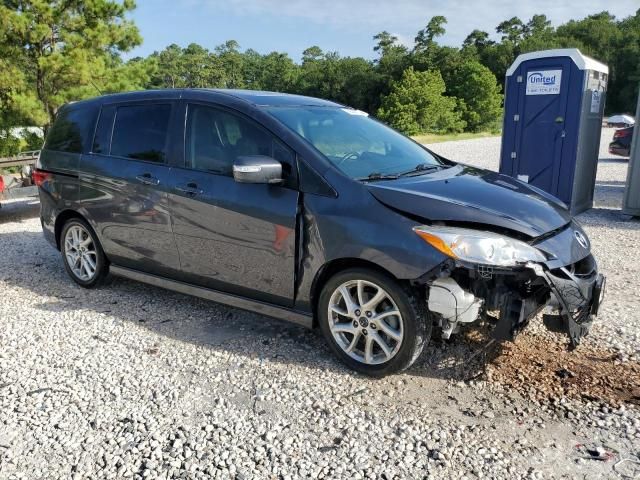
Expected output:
(22, 158)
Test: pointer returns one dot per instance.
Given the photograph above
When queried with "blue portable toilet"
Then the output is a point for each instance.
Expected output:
(554, 103)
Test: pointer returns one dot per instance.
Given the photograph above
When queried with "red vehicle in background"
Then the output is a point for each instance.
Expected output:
(621, 144)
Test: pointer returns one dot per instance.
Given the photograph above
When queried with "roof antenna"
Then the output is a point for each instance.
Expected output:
(96, 87)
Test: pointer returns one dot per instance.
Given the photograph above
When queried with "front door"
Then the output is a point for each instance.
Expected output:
(542, 127)
(239, 238)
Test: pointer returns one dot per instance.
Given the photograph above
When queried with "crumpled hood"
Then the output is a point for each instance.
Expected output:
(466, 194)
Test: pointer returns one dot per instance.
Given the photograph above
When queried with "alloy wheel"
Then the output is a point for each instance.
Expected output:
(365, 322)
(80, 253)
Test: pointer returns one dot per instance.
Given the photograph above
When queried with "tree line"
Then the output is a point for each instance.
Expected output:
(65, 50)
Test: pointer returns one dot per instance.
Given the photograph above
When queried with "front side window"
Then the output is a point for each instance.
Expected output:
(358, 145)
(140, 132)
(215, 138)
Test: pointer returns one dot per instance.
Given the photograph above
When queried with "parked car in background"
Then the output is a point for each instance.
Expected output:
(621, 120)
(621, 144)
(308, 211)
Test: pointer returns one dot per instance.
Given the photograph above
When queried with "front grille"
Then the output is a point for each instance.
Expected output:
(584, 268)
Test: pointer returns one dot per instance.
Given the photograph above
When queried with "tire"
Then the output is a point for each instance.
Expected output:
(85, 254)
(349, 331)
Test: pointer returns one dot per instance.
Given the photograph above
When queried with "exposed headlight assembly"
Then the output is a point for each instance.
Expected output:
(476, 246)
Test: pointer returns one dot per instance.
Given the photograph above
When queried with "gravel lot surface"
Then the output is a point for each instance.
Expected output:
(130, 381)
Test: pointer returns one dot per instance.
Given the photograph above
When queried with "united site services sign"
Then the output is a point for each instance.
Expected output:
(544, 82)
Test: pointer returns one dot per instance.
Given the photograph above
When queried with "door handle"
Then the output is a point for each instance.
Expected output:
(147, 179)
(190, 189)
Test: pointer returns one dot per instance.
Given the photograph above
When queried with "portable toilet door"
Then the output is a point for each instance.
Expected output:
(544, 113)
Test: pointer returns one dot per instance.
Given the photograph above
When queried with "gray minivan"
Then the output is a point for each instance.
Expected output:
(308, 211)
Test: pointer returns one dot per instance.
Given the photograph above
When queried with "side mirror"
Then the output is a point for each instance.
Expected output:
(257, 169)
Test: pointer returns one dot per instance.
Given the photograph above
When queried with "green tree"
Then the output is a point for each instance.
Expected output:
(512, 30)
(232, 62)
(18, 103)
(597, 35)
(623, 88)
(358, 82)
(477, 40)
(393, 59)
(200, 68)
(68, 46)
(169, 68)
(417, 104)
(539, 35)
(275, 72)
(479, 91)
(426, 37)
(426, 50)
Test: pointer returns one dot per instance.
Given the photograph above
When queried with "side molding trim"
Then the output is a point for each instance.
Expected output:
(263, 308)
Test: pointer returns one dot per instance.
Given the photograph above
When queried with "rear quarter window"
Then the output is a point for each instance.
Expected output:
(73, 129)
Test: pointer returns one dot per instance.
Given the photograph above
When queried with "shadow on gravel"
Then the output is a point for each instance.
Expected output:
(201, 322)
(584, 374)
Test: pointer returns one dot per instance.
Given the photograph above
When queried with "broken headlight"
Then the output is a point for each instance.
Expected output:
(476, 246)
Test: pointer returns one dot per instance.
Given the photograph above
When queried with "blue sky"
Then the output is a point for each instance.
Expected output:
(345, 26)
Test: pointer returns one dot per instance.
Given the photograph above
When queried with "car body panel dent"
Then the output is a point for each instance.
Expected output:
(377, 235)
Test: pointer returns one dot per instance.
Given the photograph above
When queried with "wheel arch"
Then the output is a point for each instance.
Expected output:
(63, 217)
(333, 267)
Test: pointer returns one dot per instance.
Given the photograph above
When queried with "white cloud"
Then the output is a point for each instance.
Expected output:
(405, 17)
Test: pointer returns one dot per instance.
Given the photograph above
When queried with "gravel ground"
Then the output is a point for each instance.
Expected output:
(131, 381)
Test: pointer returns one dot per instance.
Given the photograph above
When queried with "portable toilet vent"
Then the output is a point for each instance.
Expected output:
(554, 103)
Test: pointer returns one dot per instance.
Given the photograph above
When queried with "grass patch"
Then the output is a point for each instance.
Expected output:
(447, 137)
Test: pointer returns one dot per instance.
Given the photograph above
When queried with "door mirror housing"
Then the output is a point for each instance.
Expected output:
(257, 169)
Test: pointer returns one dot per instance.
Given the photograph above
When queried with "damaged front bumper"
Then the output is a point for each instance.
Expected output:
(579, 301)
(464, 293)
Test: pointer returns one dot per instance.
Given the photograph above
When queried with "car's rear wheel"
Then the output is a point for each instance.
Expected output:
(83, 256)
(371, 322)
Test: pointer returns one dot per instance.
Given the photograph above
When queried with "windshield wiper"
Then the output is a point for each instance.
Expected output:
(374, 176)
(422, 168)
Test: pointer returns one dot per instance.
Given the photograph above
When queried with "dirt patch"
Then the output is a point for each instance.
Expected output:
(542, 368)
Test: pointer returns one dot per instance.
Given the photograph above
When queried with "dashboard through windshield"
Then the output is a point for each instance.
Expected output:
(361, 147)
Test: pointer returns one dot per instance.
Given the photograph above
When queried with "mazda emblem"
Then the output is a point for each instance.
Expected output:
(582, 240)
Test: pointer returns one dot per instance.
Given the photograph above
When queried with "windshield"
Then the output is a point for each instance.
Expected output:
(358, 145)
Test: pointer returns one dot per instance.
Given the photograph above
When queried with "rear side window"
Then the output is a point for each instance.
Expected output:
(73, 129)
(140, 132)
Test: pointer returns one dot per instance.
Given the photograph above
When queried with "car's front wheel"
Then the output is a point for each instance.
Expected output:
(373, 324)
(83, 257)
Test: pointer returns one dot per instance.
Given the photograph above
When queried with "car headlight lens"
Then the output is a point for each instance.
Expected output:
(476, 246)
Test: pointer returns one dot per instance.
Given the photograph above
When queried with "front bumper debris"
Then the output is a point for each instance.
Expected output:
(578, 301)
(463, 293)
(575, 298)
